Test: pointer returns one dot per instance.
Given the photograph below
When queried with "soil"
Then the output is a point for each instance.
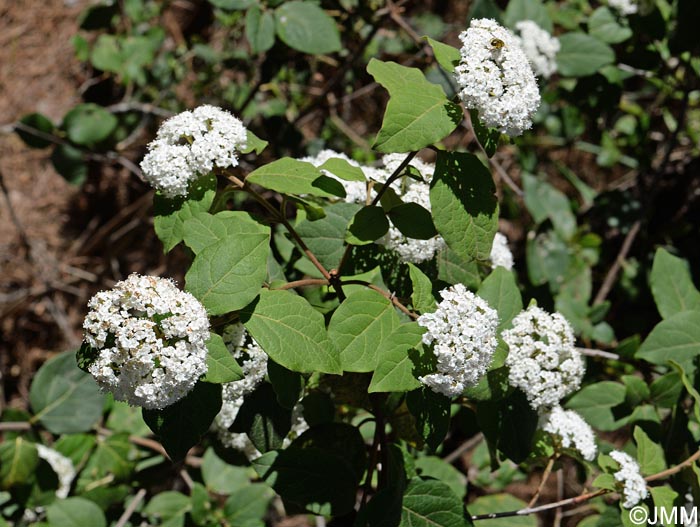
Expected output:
(58, 243)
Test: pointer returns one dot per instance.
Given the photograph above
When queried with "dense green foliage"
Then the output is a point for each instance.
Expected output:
(272, 244)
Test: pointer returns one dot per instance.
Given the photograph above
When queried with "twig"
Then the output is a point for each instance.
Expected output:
(495, 164)
(15, 426)
(243, 185)
(463, 448)
(585, 497)
(385, 294)
(303, 283)
(133, 505)
(543, 481)
(142, 107)
(598, 353)
(619, 260)
(393, 177)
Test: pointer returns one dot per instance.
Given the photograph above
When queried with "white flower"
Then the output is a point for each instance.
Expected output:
(634, 487)
(496, 78)
(253, 361)
(463, 331)
(500, 253)
(190, 145)
(148, 339)
(61, 465)
(540, 47)
(571, 429)
(542, 359)
(624, 7)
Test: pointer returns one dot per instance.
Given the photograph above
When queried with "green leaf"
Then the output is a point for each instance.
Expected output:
(171, 214)
(181, 425)
(650, 455)
(87, 124)
(310, 478)
(70, 164)
(221, 477)
(227, 275)
(434, 467)
(290, 176)
(340, 439)
(677, 338)
(502, 503)
(664, 498)
(454, 269)
(75, 512)
(247, 506)
(306, 27)
(288, 385)
(221, 366)
(489, 138)
(110, 459)
(326, 239)
(595, 403)
(604, 25)
(509, 424)
(689, 387)
(501, 292)
(203, 229)
(40, 123)
(544, 201)
(581, 55)
(232, 4)
(254, 144)
(65, 399)
(168, 505)
(291, 332)
(464, 205)
(107, 54)
(432, 414)
(398, 358)
(359, 326)
(418, 113)
(341, 168)
(423, 299)
(665, 390)
(431, 503)
(367, 225)
(413, 221)
(534, 10)
(672, 285)
(259, 29)
(18, 460)
(447, 56)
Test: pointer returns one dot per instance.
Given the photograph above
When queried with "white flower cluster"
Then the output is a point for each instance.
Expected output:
(542, 359)
(463, 331)
(500, 253)
(496, 78)
(190, 145)
(624, 7)
(634, 487)
(253, 361)
(149, 340)
(540, 47)
(571, 429)
(61, 465)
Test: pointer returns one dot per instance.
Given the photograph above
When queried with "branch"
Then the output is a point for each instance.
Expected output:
(133, 505)
(393, 177)
(243, 185)
(585, 497)
(619, 260)
(543, 482)
(389, 296)
(598, 353)
(302, 283)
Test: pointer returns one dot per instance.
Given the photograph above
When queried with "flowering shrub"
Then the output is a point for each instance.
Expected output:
(350, 324)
